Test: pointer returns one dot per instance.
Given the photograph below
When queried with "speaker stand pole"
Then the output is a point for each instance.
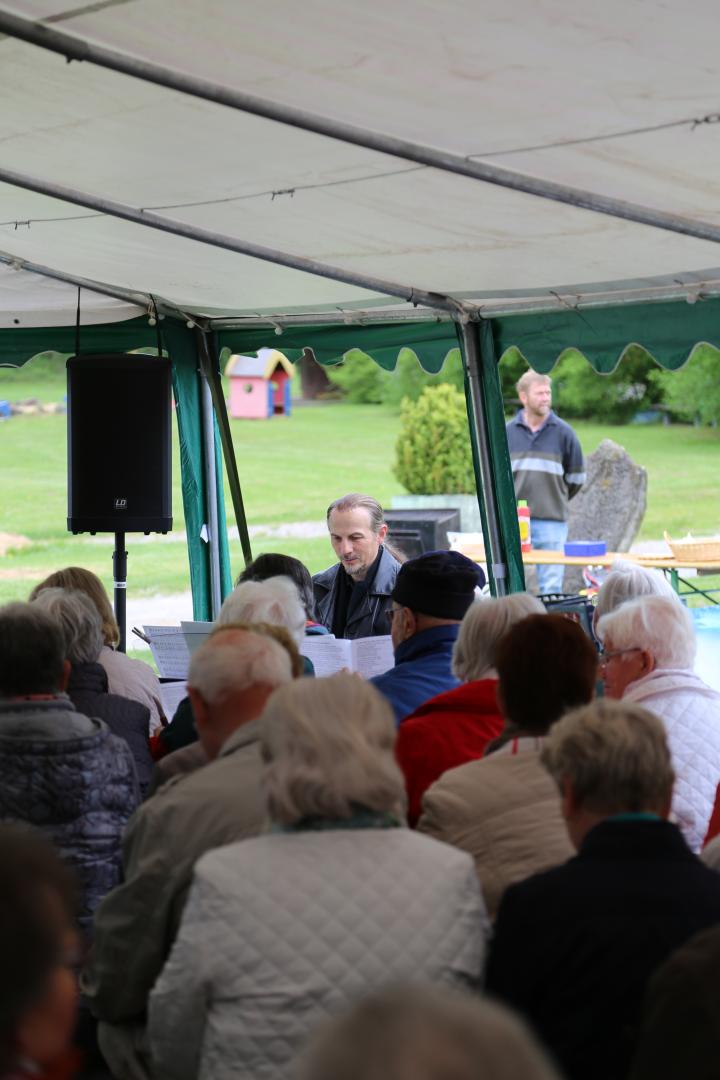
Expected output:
(120, 579)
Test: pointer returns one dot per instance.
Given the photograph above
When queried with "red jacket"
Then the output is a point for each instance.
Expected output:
(448, 730)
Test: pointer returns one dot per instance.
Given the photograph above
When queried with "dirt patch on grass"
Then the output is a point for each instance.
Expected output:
(12, 542)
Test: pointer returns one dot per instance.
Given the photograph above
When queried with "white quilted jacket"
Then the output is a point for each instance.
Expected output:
(690, 710)
(281, 931)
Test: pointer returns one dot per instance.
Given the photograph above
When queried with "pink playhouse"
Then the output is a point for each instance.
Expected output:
(259, 385)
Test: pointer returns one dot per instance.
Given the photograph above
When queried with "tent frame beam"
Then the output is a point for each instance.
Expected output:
(73, 47)
(150, 220)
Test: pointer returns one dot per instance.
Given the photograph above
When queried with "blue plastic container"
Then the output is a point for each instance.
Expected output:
(583, 549)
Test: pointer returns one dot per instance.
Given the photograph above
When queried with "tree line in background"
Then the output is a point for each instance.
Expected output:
(638, 385)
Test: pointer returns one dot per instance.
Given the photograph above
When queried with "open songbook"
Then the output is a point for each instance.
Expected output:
(367, 656)
(172, 647)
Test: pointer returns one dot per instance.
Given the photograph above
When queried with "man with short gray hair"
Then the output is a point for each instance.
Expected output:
(575, 946)
(548, 469)
(231, 677)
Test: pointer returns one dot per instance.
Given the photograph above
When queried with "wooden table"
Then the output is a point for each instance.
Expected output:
(668, 564)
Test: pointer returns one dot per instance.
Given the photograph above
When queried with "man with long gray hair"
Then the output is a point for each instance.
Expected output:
(231, 677)
(353, 596)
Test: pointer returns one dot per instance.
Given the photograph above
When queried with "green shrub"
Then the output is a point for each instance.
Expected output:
(360, 379)
(432, 453)
(693, 392)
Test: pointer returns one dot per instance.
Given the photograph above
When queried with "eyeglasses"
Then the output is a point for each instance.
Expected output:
(605, 657)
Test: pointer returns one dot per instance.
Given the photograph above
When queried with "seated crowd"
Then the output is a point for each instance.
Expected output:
(484, 864)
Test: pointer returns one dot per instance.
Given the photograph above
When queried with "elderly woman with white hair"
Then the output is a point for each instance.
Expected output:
(339, 900)
(457, 725)
(426, 1033)
(275, 601)
(647, 658)
(629, 581)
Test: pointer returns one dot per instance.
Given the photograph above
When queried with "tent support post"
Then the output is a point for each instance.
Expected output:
(73, 47)
(211, 495)
(208, 365)
(486, 492)
(492, 462)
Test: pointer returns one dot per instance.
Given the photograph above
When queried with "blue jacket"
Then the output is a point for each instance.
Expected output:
(422, 670)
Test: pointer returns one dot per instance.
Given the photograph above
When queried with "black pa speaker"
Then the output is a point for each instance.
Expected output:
(119, 443)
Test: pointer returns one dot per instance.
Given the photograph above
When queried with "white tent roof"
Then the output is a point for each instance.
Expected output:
(597, 96)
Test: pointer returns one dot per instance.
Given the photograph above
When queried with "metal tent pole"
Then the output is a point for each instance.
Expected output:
(76, 48)
(211, 494)
(208, 364)
(497, 563)
(228, 243)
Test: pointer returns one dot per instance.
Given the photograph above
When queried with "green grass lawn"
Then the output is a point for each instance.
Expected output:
(290, 469)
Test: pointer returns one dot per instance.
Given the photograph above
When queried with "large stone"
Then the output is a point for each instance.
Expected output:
(610, 506)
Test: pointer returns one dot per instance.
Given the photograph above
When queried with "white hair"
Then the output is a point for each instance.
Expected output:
(629, 581)
(615, 755)
(329, 746)
(275, 600)
(485, 624)
(79, 622)
(234, 660)
(658, 624)
(426, 1033)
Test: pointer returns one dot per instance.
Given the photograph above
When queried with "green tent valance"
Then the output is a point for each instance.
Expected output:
(669, 331)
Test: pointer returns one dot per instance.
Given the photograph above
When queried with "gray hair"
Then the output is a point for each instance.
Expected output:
(483, 628)
(658, 624)
(426, 1033)
(629, 581)
(79, 621)
(615, 754)
(355, 501)
(223, 666)
(275, 600)
(528, 378)
(31, 651)
(328, 745)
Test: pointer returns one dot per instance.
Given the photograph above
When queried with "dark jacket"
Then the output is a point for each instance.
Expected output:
(444, 732)
(369, 618)
(574, 947)
(422, 669)
(70, 777)
(681, 1024)
(129, 720)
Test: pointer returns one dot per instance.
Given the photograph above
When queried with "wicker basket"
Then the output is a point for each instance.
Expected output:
(691, 551)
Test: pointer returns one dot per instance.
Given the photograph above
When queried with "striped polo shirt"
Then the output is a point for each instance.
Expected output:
(547, 465)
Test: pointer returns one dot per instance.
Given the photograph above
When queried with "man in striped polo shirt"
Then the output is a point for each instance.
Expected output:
(548, 469)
